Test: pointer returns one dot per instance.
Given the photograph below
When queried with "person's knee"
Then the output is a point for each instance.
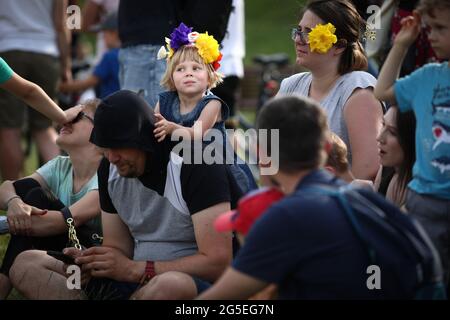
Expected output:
(169, 286)
(23, 264)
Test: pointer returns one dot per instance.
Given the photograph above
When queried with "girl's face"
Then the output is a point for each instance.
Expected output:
(389, 149)
(305, 57)
(190, 78)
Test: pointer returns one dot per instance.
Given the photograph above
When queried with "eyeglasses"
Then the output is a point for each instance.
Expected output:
(79, 116)
(304, 35)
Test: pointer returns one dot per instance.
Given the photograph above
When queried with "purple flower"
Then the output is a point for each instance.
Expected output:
(179, 36)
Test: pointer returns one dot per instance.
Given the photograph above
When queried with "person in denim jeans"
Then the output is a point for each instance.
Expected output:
(141, 24)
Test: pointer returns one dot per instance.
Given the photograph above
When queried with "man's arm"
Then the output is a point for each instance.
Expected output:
(214, 249)
(91, 15)
(114, 259)
(233, 285)
(63, 37)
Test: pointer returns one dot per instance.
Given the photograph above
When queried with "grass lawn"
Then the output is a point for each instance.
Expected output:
(30, 166)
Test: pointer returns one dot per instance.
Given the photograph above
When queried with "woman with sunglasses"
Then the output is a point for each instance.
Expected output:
(327, 44)
(38, 206)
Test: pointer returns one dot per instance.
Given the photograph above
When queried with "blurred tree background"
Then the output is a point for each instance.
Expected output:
(267, 26)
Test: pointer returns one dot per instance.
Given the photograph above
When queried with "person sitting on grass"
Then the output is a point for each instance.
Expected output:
(38, 205)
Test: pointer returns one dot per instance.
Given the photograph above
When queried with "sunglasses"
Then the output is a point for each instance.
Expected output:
(80, 116)
(303, 35)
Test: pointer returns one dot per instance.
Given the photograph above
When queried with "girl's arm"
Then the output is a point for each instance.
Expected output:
(206, 120)
(35, 97)
(384, 89)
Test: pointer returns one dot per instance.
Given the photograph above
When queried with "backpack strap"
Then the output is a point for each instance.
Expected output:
(339, 194)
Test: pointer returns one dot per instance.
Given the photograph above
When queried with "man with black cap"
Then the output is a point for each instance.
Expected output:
(157, 214)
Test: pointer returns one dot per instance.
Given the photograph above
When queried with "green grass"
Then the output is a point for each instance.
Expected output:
(31, 164)
(267, 27)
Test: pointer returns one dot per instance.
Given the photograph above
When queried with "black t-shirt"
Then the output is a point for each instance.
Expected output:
(202, 185)
(146, 22)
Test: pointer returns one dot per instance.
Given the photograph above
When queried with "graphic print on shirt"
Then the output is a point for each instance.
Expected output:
(441, 129)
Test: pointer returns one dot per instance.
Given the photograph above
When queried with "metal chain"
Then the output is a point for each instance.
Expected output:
(73, 234)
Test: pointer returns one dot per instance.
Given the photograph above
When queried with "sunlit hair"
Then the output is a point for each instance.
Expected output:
(188, 53)
(349, 24)
(338, 155)
(91, 105)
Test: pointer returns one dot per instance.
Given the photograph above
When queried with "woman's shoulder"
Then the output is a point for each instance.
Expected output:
(295, 82)
(359, 78)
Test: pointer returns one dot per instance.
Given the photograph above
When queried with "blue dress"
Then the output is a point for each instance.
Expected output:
(169, 107)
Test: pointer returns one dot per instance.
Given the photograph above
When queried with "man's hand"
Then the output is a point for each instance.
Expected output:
(410, 30)
(75, 253)
(163, 127)
(107, 262)
(19, 216)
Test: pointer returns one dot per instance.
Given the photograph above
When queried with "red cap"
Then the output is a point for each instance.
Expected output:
(249, 209)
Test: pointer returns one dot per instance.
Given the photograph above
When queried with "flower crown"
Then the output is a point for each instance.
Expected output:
(322, 37)
(207, 46)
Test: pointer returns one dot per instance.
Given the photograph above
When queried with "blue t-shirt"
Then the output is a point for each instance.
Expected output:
(5, 71)
(427, 92)
(305, 244)
(108, 73)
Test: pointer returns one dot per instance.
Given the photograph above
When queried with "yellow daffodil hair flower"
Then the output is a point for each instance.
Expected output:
(322, 38)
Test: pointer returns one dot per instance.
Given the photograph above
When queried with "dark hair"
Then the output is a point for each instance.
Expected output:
(349, 24)
(428, 6)
(406, 128)
(302, 128)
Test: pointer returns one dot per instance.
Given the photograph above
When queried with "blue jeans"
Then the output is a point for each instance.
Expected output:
(140, 71)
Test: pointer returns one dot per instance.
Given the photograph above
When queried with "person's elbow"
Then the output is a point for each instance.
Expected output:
(365, 169)
(219, 260)
(384, 94)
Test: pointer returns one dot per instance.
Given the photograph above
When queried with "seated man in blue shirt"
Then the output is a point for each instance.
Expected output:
(106, 72)
(304, 243)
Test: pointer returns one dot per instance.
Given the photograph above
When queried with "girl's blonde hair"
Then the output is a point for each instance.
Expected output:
(188, 53)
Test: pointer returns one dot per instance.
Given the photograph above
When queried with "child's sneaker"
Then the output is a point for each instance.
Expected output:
(4, 227)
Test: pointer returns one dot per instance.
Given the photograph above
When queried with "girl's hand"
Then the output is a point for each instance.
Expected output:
(163, 127)
(409, 31)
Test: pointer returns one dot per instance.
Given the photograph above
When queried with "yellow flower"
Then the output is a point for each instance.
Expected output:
(208, 47)
(322, 38)
(169, 49)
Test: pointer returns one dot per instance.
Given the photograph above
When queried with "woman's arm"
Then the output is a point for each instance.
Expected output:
(53, 223)
(363, 116)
